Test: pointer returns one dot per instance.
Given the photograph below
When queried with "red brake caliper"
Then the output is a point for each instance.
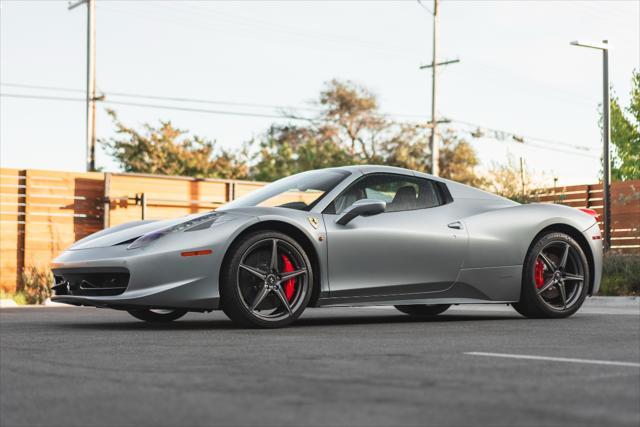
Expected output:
(289, 285)
(539, 273)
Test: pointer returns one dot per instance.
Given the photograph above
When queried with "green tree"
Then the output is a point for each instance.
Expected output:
(458, 161)
(286, 150)
(508, 180)
(350, 129)
(167, 150)
(625, 135)
(352, 111)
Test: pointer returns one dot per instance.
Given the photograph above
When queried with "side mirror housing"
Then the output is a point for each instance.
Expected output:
(364, 207)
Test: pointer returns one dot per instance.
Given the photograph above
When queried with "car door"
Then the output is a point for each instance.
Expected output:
(409, 249)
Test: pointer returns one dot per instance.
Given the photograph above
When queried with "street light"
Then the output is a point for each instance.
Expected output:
(606, 131)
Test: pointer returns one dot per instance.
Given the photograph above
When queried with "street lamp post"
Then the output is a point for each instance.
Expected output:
(606, 136)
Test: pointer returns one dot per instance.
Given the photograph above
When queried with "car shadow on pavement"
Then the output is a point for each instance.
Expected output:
(303, 322)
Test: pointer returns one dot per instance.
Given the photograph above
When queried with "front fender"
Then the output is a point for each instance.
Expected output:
(310, 224)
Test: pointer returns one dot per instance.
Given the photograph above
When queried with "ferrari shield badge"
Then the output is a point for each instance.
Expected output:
(313, 221)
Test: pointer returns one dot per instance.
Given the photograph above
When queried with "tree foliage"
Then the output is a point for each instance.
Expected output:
(625, 135)
(510, 181)
(350, 129)
(167, 150)
(286, 150)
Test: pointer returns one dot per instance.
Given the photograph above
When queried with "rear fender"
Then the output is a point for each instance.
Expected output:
(502, 237)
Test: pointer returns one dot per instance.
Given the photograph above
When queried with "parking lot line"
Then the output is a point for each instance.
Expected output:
(554, 359)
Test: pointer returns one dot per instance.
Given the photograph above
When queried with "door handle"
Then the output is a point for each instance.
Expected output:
(456, 224)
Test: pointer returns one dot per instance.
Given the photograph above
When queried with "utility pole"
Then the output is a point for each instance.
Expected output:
(433, 144)
(91, 81)
(606, 136)
(522, 184)
(433, 141)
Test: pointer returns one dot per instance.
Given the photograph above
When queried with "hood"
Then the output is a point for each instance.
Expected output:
(125, 232)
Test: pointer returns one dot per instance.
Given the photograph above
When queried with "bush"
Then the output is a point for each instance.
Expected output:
(17, 297)
(620, 275)
(35, 284)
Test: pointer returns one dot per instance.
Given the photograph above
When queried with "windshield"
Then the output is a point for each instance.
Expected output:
(300, 191)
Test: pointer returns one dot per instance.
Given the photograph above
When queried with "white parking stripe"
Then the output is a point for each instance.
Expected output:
(554, 359)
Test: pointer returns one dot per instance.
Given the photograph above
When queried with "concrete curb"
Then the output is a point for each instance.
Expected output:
(617, 301)
(9, 303)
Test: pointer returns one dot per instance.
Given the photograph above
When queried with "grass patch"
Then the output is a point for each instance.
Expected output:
(18, 297)
(620, 275)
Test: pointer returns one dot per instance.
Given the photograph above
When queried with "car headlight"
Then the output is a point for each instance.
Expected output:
(199, 223)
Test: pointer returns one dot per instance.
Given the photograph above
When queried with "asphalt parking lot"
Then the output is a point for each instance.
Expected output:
(338, 366)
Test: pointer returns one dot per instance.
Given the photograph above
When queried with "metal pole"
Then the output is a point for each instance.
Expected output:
(143, 204)
(91, 85)
(433, 143)
(606, 135)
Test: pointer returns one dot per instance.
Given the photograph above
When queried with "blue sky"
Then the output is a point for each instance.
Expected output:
(517, 72)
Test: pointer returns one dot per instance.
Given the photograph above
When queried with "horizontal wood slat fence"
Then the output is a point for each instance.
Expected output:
(625, 208)
(43, 212)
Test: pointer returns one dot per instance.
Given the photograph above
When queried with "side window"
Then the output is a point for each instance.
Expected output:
(400, 193)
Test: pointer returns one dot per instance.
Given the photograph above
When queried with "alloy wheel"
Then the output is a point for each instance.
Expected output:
(272, 279)
(559, 275)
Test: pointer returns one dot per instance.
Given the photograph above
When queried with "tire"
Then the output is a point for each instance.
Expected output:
(423, 310)
(253, 291)
(157, 316)
(555, 278)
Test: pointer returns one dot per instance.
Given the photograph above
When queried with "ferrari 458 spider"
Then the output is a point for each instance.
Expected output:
(359, 235)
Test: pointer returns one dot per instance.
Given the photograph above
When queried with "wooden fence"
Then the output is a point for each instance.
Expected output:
(625, 208)
(43, 212)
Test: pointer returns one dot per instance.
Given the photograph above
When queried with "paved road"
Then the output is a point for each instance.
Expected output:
(86, 367)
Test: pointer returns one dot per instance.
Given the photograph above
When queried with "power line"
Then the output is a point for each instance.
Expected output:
(498, 133)
(253, 29)
(159, 106)
(202, 110)
(520, 139)
(165, 98)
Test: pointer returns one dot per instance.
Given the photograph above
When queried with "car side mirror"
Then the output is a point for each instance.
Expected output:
(364, 207)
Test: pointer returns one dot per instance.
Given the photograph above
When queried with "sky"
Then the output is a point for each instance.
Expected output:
(517, 71)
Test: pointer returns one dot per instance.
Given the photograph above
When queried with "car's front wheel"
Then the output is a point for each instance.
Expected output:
(157, 315)
(423, 310)
(555, 278)
(266, 281)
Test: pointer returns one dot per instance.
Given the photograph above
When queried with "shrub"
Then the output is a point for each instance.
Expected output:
(35, 284)
(620, 274)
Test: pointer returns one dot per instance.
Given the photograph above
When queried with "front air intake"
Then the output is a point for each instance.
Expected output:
(90, 281)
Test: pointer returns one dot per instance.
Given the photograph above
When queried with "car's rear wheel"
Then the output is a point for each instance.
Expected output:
(266, 281)
(555, 278)
(157, 315)
(423, 310)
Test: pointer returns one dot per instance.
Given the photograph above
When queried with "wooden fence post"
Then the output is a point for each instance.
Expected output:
(22, 225)
(106, 203)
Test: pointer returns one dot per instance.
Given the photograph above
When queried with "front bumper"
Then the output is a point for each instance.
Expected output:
(159, 277)
(155, 280)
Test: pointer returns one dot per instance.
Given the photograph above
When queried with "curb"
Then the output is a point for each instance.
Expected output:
(9, 303)
(615, 301)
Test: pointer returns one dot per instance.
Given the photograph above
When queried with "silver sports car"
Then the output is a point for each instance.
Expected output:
(359, 235)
